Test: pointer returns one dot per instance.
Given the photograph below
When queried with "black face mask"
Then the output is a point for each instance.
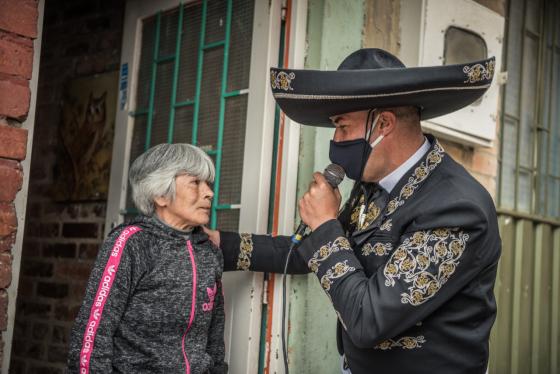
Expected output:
(351, 155)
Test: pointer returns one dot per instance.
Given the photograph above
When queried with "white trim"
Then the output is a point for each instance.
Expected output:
(245, 289)
(282, 95)
(288, 187)
(20, 201)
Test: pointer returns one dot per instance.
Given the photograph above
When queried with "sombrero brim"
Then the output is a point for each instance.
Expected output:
(311, 97)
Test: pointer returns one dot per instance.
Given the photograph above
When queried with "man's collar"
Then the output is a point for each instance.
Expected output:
(391, 180)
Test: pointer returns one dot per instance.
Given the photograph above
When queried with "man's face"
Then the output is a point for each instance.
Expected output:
(351, 126)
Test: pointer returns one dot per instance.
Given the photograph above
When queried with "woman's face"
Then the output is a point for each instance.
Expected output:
(191, 206)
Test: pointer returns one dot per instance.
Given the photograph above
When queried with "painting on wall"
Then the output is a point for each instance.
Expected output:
(83, 163)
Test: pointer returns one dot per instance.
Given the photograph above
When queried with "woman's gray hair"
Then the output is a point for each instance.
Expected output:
(153, 173)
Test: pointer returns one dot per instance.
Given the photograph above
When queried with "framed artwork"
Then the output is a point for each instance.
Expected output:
(85, 138)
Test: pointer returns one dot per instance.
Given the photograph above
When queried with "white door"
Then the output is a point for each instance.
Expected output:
(197, 72)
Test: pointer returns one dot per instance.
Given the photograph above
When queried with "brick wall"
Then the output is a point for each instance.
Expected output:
(61, 240)
(18, 28)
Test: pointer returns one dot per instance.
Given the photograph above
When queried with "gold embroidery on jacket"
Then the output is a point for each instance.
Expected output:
(406, 342)
(245, 251)
(356, 211)
(432, 160)
(425, 261)
(336, 271)
(339, 244)
(372, 213)
(379, 249)
(387, 225)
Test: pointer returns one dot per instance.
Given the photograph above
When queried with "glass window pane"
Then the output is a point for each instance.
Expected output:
(240, 50)
(532, 15)
(509, 139)
(162, 103)
(168, 33)
(463, 46)
(514, 40)
(183, 125)
(529, 94)
(554, 197)
(228, 220)
(145, 68)
(232, 156)
(210, 98)
(216, 21)
(524, 192)
(188, 61)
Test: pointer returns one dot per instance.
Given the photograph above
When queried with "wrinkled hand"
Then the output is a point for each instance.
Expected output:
(214, 235)
(320, 203)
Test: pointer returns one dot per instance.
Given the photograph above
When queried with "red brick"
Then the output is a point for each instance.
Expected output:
(11, 179)
(7, 242)
(14, 98)
(73, 270)
(19, 16)
(5, 270)
(3, 310)
(13, 142)
(8, 220)
(15, 58)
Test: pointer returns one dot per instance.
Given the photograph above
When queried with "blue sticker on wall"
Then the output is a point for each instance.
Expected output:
(123, 86)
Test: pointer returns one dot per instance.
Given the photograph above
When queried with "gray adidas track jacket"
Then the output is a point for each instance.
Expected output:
(153, 304)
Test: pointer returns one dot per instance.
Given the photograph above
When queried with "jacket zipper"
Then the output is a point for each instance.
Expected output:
(193, 307)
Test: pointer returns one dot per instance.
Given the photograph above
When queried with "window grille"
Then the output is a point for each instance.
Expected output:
(193, 83)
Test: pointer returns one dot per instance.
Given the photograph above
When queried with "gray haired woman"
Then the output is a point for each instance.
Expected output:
(154, 303)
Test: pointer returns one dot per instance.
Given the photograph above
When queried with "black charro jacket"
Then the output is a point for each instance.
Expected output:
(413, 289)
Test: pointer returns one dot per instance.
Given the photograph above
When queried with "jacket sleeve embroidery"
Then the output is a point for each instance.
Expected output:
(336, 271)
(405, 342)
(425, 261)
(245, 252)
(339, 244)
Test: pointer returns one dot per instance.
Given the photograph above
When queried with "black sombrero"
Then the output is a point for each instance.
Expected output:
(373, 78)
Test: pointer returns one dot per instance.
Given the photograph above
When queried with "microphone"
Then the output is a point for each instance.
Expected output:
(334, 174)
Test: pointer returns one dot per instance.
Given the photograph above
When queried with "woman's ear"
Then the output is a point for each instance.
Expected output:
(161, 201)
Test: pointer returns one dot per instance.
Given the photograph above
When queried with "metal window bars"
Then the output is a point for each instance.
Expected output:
(216, 152)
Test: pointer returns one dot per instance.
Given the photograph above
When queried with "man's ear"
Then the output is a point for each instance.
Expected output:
(387, 122)
(161, 201)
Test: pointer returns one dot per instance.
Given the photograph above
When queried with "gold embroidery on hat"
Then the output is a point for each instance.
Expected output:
(336, 271)
(245, 251)
(406, 342)
(339, 244)
(432, 160)
(281, 80)
(425, 261)
(479, 72)
(379, 249)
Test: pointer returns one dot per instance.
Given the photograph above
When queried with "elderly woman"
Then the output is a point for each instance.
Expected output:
(154, 302)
